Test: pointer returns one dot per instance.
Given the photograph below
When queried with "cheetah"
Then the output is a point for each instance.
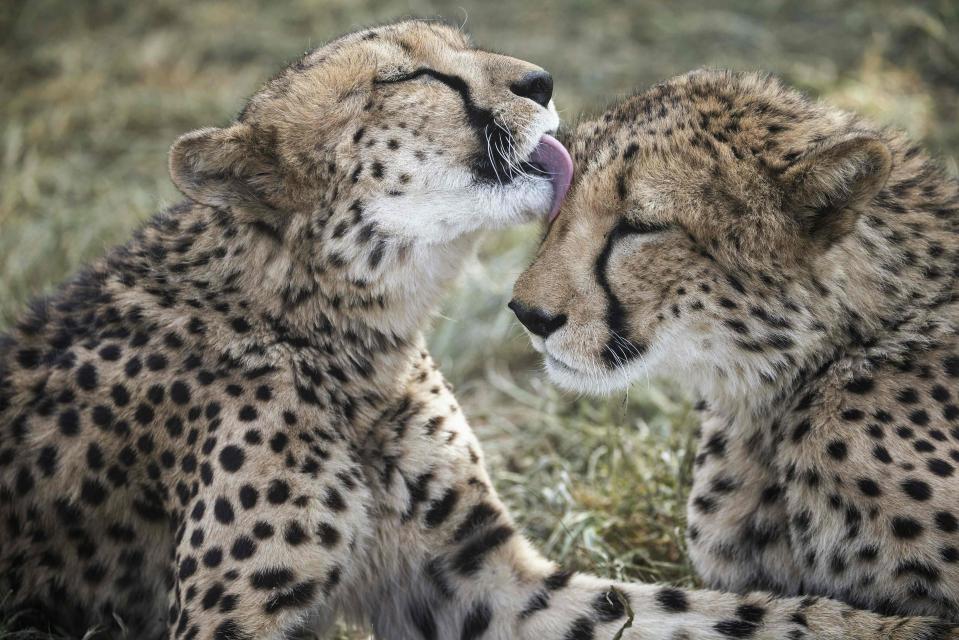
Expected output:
(229, 428)
(794, 267)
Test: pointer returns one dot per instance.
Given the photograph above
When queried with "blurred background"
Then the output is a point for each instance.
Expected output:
(93, 92)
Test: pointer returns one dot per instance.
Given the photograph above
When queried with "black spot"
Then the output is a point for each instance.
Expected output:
(672, 600)
(156, 362)
(908, 396)
(223, 511)
(155, 393)
(294, 533)
(477, 621)
(278, 442)
(940, 393)
(273, 578)
(144, 414)
(916, 489)
(298, 596)
(231, 458)
(248, 497)
(334, 499)
(860, 385)
(187, 567)
(704, 504)
(120, 395)
(263, 530)
(243, 548)
(180, 393)
(247, 414)
(905, 528)
(101, 416)
(212, 596)
(750, 613)
(801, 430)
(940, 467)
(47, 460)
(328, 535)
(868, 553)
(93, 492)
(581, 629)
(918, 568)
(230, 630)
(28, 358)
(735, 628)
(868, 487)
(278, 492)
(69, 422)
(837, 450)
(132, 367)
(440, 509)
(240, 325)
(471, 555)
(880, 453)
(609, 606)
(947, 522)
(87, 377)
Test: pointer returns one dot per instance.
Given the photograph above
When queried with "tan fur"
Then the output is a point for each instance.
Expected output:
(795, 267)
(229, 429)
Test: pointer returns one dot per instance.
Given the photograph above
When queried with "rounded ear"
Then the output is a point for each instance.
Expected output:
(828, 187)
(221, 167)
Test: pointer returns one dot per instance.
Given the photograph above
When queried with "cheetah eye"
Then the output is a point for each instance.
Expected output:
(396, 76)
(645, 227)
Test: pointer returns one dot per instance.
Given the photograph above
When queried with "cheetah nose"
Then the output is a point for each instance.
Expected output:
(537, 86)
(537, 321)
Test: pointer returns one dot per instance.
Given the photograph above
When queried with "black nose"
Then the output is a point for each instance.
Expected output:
(537, 86)
(537, 320)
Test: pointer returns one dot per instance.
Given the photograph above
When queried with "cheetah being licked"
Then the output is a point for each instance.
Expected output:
(796, 267)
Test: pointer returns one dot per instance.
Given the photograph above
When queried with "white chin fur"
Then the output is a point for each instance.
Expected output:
(448, 203)
(442, 214)
(597, 383)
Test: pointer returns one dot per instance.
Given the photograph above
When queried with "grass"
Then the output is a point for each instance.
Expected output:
(94, 92)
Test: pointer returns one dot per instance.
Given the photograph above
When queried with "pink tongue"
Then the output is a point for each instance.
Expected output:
(555, 161)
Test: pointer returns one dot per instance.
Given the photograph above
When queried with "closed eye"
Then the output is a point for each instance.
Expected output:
(478, 116)
(645, 227)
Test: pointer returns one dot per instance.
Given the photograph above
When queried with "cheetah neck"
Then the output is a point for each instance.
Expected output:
(260, 301)
(885, 293)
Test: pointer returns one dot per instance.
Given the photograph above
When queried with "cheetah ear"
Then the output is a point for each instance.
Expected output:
(222, 167)
(828, 187)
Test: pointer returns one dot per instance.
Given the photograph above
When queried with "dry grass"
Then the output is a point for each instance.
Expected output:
(94, 92)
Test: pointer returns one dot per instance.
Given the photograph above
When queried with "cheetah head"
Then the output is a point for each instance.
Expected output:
(383, 140)
(708, 237)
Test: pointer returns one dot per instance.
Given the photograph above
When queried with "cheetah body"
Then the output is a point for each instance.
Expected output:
(795, 267)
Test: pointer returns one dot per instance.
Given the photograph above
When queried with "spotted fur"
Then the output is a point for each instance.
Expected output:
(229, 428)
(795, 267)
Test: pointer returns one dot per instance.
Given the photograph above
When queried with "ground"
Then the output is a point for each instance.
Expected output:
(95, 92)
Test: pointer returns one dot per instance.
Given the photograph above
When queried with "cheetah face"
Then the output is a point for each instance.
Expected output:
(681, 253)
(404, 131)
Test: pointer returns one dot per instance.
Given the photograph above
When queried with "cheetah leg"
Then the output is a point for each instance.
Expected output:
(265, 551)
(447, 562)
(478, 578)
(737, 524)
